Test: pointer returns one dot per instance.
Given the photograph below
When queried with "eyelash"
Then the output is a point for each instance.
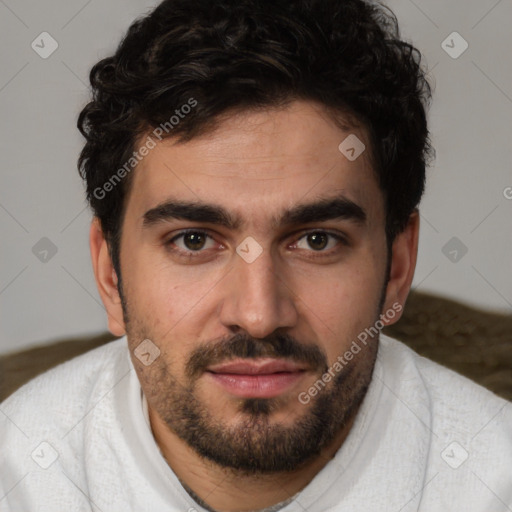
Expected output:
(194, 254)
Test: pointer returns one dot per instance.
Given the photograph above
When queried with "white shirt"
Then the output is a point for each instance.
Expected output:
(425, 439)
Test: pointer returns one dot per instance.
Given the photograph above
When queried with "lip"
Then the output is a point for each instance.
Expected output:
(263, 378)
(256, 366)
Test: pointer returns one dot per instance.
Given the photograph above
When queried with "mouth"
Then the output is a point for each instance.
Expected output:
(260, 378)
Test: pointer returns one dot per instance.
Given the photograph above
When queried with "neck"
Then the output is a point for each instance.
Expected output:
(228, 490)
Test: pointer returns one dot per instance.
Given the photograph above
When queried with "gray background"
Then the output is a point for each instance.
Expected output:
(469, 190)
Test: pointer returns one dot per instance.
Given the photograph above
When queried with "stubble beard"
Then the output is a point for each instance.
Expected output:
(255, 445)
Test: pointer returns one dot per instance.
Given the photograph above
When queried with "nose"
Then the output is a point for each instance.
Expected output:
(257, 298)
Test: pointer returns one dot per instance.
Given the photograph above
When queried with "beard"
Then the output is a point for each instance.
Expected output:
(255, 445)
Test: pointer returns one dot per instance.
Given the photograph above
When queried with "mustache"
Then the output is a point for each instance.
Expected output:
(244, 346)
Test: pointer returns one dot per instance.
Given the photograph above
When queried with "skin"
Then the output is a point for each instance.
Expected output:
(256, 164)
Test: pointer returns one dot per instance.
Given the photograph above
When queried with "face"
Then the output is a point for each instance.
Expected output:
(252, 258)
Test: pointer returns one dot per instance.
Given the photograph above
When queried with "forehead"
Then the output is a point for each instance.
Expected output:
(258, 163)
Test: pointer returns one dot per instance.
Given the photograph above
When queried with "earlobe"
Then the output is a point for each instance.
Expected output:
(403, 264)
(106, 279)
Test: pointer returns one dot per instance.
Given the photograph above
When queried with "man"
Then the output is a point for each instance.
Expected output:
(254, 170)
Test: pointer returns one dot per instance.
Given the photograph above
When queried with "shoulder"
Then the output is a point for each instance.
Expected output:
(56, 424)
(465, 418)
(447, 389)
(64, 392)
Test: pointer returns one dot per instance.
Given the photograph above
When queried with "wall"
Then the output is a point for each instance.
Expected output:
(468, 204)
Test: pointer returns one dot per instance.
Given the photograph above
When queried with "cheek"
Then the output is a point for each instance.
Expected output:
(164, 290)
(343, 303)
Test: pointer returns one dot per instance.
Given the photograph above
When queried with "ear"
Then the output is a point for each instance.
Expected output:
(106, 279)
(403, 264)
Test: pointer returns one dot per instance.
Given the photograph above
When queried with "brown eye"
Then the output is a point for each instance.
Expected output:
(192, 241)
(318, 241)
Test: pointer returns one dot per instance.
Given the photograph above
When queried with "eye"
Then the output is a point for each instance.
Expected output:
(192, 241)
(319, 241)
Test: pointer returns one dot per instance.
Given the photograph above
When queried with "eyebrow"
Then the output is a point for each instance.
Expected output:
(338, 208)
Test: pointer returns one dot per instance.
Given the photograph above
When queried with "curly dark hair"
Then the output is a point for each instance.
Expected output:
(233, 55)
